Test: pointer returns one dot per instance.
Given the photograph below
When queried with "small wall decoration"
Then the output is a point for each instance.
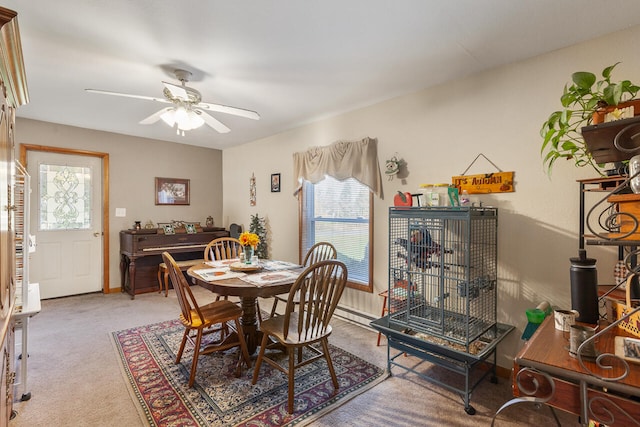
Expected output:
(275, 182)
(190, 228)
(392, 167)
(168, 229)
(396, 167)
(252, 190)
(172, 191)
(495, 182)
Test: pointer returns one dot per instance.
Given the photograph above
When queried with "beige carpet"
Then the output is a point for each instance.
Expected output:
(74, 375)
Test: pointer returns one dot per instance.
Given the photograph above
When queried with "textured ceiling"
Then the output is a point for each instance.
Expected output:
(292, 61)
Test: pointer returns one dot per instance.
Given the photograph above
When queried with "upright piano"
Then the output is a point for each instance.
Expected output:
(141, 253)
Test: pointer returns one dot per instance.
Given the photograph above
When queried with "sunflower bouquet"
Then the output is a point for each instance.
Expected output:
(249, 239)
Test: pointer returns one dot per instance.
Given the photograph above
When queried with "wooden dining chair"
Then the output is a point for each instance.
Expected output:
(319, 252)
(226, 248)
(305, 323)
(223, 248)
(203, 319)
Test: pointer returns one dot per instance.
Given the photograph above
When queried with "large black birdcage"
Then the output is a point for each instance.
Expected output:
(443, 288)
(447, 260)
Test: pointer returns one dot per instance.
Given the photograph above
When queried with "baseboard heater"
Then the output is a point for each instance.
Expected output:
(355, 316)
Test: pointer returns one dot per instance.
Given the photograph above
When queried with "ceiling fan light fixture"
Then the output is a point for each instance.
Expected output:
(181, 116)
(169, 117)
(187, 119)
(186, 111)
(195, 119)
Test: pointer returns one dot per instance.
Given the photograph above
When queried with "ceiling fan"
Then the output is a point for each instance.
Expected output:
(187, 111)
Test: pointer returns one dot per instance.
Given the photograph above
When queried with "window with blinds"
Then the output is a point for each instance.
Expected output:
(339, 212)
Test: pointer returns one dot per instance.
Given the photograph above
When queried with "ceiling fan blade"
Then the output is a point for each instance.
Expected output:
(155, 116)
(128, 95)
(214, 123)
(177, 91)
(230, 110)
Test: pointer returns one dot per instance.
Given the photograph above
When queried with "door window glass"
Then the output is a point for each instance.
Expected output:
(65, 197)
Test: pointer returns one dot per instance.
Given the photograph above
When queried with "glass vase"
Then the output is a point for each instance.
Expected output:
(248, 254)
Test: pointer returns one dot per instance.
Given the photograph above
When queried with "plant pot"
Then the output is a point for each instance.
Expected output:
(599, 116)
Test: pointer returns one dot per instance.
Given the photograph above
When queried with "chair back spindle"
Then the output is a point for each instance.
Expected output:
(223, 248)
(319, 252)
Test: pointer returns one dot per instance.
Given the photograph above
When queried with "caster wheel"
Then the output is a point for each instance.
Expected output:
(470, 410)
(494, 380)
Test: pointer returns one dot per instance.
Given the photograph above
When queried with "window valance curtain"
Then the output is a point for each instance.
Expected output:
(341, 160)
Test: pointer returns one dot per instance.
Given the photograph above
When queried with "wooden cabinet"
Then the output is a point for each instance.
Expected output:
(13, 93)
(545, 367)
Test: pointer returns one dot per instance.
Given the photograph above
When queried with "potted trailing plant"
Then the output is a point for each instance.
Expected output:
(562, 138)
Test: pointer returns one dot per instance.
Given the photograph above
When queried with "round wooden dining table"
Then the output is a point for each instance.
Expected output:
(248, 293)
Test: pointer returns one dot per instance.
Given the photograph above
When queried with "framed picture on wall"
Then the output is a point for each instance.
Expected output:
(275, 182)
(172, 191)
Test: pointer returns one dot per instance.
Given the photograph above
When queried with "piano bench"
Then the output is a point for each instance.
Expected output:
(163, 273)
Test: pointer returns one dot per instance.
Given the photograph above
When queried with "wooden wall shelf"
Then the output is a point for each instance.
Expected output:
(599, 140)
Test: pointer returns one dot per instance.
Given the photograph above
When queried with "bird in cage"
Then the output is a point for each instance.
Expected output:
(420, 247)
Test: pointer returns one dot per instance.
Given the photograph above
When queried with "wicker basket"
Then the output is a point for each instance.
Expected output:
(621, 309)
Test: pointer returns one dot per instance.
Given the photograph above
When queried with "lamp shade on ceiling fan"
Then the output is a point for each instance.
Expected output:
(184, 119)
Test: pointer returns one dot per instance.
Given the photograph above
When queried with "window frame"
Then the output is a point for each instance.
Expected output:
(365, 287)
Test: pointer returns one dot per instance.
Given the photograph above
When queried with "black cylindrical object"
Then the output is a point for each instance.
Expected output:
(584, 287)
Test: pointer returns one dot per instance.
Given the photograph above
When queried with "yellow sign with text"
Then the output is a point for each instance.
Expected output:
(497, 182)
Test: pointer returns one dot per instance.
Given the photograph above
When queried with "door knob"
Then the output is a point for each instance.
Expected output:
(96, 234)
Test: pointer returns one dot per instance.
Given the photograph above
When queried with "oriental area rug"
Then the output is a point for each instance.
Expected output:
(159, 386)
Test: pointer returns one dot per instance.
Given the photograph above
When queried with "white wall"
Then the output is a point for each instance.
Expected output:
(439, 131)
(134, 164)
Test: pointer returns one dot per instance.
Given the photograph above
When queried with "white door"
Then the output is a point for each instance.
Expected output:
(66, 219)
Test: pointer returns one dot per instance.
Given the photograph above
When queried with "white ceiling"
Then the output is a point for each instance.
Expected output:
(292, 61)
